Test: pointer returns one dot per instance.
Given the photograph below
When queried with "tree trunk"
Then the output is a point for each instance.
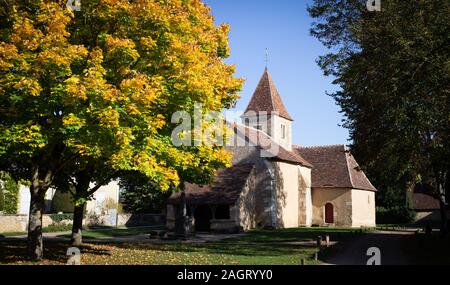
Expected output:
(443, 210)
(77, 227)
(35, 244)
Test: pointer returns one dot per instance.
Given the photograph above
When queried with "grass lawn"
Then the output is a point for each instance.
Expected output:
(162, 254)
(257, 248)
(291, 235)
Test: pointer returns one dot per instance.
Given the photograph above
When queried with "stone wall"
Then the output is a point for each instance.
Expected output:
(432, 218)
(18, 223)
(224, 226)
(13, 223)
(264, 183)
(363, 212)
(287, 195)
(304, 197)
(243, 213)
(340, 198)
(140, 219)
(125, 220)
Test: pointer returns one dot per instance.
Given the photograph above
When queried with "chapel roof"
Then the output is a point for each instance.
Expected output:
(334, 167)
(225, 189)
(268, 146)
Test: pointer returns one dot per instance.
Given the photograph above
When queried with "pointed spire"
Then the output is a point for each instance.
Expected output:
(267, 99)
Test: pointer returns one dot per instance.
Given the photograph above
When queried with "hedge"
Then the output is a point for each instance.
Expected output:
(10, 194)
(2, 199)
(62, 202)
(395, 215)
(58, 218)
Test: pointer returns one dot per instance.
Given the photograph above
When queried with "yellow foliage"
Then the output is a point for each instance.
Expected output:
(74, 88)
(25, 35)
(121, 48)
(114, 82)
(73, 120)
(8, 53)
(109, 118)
(30, 85)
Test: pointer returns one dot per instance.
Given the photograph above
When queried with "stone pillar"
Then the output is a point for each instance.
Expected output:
(171, 216)
(234, 215)
(183, 223)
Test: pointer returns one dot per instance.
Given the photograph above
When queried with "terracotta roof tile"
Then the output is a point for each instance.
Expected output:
(268, 146)
(224, 190)
(267, 99)
(334, 166)
(423, 199)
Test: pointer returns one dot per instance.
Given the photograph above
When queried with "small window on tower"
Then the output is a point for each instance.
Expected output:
(283, 131)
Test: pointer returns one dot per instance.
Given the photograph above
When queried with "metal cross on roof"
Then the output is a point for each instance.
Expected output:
(267, 57)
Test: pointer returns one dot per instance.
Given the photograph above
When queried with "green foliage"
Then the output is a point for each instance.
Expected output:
(393, 70)
(140, 196)
(103, 83)
(100, 86)
(58, 218)
(395, 215)
(2, 199)
(389, 197)
(62, 202)
(9, 193)
(57, 228)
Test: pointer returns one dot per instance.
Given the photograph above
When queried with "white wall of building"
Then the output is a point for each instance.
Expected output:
(94, 206)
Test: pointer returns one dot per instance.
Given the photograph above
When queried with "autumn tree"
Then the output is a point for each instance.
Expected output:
(99, 86)
(80, 182)
(393, 70)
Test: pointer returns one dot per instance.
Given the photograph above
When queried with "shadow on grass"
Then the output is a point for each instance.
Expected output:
(55, 252)
(257, 246)
(15, 252)
(292, 235)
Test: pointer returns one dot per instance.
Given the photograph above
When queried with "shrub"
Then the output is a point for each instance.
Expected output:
(111, 204)
(2, 199)
(62, 202)
(58, 218)
(395, 215)
(10, 196)
(57, 228)
(139, 196)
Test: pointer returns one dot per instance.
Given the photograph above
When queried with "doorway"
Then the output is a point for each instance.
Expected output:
(203, 217)
(329, 213)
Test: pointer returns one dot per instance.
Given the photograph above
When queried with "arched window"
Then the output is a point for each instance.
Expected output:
(329, 213)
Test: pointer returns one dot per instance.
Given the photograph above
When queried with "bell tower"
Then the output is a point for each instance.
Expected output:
(267, 112)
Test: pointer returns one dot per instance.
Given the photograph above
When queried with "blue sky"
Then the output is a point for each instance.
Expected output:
(282, 26)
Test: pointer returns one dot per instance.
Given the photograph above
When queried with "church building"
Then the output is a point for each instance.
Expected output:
(275, 184)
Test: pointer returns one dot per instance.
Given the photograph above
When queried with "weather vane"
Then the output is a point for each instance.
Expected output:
(267, 57)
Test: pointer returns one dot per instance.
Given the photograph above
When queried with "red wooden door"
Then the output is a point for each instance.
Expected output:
(329, 213)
